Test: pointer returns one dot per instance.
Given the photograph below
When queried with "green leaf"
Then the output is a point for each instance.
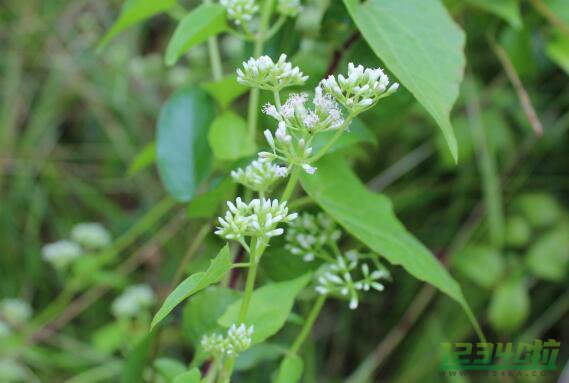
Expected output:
(226, 90)
(183, 159)
(229, 138)
(290, 370)
(420, 43)
(540, 209)
(192, 376)
(518, 231)
(169, 368)
(509, 306)
(194, 283)
(137, 359)
(357, 134)
(204, 21)
(548, 257)
(269, 308)
(258, 353)
(207, 204)
(509, 10)
(475, 258)
(369, 217)
(145, 158)
(133, 12)
(558, 51)
(202, 312)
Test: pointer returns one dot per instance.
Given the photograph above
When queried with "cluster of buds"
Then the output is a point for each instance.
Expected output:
(15, 311)
(91, 235)
(259, 176)
(258, 218)
(238, 339)
(265, 74)
(289, 8)
(240, 11)
(349, 275)
(362, 89)
(132, 301)
(308, 235)
(61, 253)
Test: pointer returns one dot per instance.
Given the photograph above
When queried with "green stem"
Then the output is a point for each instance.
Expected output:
(335, 138)
(277, 96)
(214, 55)
(257, 250)
(257, 51)
(275, 28)
(289, 188)
(308, 324)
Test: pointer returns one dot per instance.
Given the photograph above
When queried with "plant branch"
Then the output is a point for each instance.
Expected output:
(308, 324)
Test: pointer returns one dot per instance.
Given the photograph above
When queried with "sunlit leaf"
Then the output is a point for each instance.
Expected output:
(290, 370)
(226, 90)
(229, 138)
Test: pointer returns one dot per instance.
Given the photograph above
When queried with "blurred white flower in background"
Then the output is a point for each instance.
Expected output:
(133, 300)
(61, 253)
(15, 311)
(91, 235)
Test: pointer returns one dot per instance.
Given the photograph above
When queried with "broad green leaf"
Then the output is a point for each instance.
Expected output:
(182, 156)
(258, 353)
(509, 10)
(137, 359)
(269, 308)
(194, 283)
(509, 306)
(226, 90)
(548, 257)
(229, 138)
(518, 231)
(203, 310)
(540, 209)
(133, 12)
(169, 368)
(207, 204)
(420, 43)
(204, 21)
(358, 133)
(192, 376)
(558, 51)
(369, 217)
(290, 370)
(145, 158)
(475, 258)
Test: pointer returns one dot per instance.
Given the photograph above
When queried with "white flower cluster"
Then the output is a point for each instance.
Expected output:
(307, 235)
(61, 253)
(259, 176)
(263, 73)
(91, 235)
(238, 339)
(289, 8)
(240, 11)
(15, 311)
(362, 89)
(132, 301)
(341, 278)
(258, 218)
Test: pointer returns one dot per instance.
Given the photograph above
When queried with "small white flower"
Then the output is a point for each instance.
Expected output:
(237, 340)
(258, 218)
(133, 300)
(240, 11)
(362, 89)
(214, 344)
(309, 169)
(15, 311)
(289, 8)
(259, 175)
(309, 234)
(91, 235)
(265, 74)
(61, 253)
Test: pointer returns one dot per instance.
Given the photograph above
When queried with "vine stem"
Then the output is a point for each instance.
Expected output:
(308, 324)
(257, 250)
(291, 184)
(257, 51)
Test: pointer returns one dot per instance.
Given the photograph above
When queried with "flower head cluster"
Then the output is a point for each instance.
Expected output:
(91, 235)
(349, 275)
(263, 73)
(307, 235)
(258, 218)
(259, 176)
(15, 311)
(61, 253)
(133, 300)
(289, 8)
(238, 339)
(240, 11)
(362, 89)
